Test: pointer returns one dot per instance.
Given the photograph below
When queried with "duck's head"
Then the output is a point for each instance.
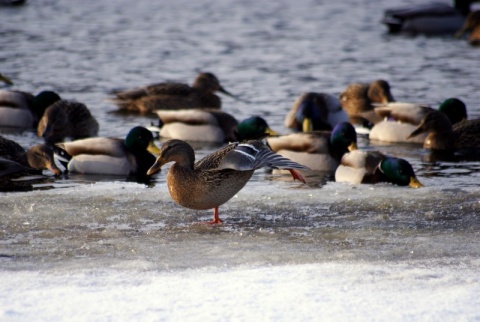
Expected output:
(209, 83)
(312, 114)
(40, 157)
(399, 171)
(455, 110)
(174, 151)
(43, 100)
(344, 137)
(254, 127)
(379, 92)
(433, 121)
(139, 139)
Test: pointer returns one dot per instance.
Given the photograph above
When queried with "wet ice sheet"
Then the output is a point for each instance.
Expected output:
(424, 290)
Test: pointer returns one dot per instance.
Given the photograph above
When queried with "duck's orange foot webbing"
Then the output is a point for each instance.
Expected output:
(296, 175)
(216, 219)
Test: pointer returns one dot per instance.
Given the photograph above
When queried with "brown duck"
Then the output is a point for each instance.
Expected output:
(213, 180)
(172, 96)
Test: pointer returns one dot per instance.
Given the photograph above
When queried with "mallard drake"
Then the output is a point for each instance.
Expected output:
(213, 180)
(67, 119)
(442, 136)
(172, 96)
(5, 79)
(395, 121)
(22, 109)
(358, 98)
(430, 18)
(319, 151)
(129, 156)
(373, 167)
(38, 157)
(315, 112)
(472, 25)
(209, 126)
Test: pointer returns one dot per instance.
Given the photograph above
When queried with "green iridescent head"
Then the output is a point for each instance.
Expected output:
(139, 139)
(344, 137)
(252, 128)
(399, 171)
(455, 110)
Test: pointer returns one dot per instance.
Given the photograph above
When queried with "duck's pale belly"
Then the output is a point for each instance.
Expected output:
(387, 131)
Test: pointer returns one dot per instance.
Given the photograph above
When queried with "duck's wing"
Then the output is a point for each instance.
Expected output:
(169, 89)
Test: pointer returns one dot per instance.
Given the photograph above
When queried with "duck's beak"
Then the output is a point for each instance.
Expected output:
(156, 166)
(224, 91)
(152, 148)
(414, 183)
(307, 125)
(53, 167)
(352, 146)
(418, 131)
(271, 132)
(6, 80)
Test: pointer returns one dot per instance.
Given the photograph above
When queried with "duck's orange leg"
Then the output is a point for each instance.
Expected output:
(216, 219)
(296, 175)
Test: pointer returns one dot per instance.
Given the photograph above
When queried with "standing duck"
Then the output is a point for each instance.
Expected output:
(209, 126)
(358, 98)
(431, 18)
(373, 167)
(172, 96)
(395, 121)
(22, 109)
(319, 151)
(38, 157)
(67, 119)
(315, 112)
(215, 179)
(115, 156)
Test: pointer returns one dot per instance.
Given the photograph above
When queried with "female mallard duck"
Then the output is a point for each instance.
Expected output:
(315, 112)
(472, 25)
(209, 126)
(16, 177)
(38, 157)
(395, 121)
(67, 119)
(358, 98)
(22, 109)
(172, 96)
(431, 18)
(213, 180)
(372, 167)
(115, 156)
(319, 151)
(442, 136)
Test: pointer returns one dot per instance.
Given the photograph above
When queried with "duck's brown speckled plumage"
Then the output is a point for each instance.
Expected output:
(67, 119)
(167, 96)
(472, 25)
(359, 98)
(215, 179)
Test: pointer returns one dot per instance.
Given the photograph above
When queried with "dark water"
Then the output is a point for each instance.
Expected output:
(267, 53)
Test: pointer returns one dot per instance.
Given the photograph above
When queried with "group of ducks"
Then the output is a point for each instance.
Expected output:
(324, 138)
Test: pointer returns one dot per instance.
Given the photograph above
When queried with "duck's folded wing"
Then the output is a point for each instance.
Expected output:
(113, 147)
(254, 155)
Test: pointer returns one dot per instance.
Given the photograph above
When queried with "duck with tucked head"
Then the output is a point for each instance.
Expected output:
(358, 98)
(209, 126)
(443, 136)
(395, 121)
(23, 109)
(67, 119)
(430, 18)
(114, 156)
(372, 167)
(215, 179)
(36, 158)
(172, 96)
(319, 151)
(315, 112)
